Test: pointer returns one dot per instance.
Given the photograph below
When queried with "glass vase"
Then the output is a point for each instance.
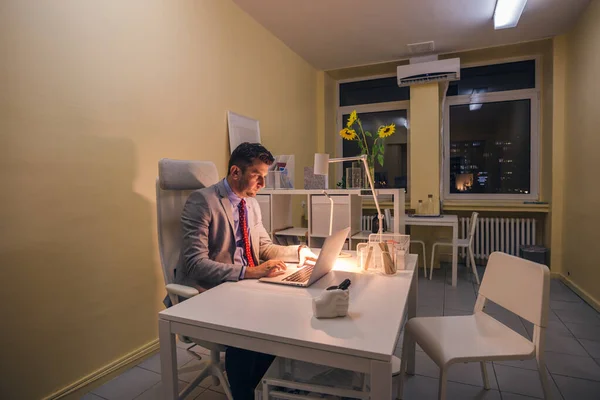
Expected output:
(366, 180)
(354, 177)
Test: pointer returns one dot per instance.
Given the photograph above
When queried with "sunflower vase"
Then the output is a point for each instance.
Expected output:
(373, 146)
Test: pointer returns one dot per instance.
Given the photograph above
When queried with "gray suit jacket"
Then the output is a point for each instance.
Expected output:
(209, 240)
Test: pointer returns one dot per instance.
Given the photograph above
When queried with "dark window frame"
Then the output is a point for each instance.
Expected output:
(534, 95)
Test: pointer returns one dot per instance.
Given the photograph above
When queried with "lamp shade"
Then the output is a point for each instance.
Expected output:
(321, 164)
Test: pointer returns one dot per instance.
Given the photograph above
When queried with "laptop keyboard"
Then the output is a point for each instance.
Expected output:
(300, 276)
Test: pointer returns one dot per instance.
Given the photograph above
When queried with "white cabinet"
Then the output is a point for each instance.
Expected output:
(276, 208)
(346, 213)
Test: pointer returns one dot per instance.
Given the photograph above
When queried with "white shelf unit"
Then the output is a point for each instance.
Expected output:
(292, 232)
(276, 207)
(362, 235)
(347, 210)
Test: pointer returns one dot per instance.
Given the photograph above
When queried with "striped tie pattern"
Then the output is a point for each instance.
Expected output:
(244, 225)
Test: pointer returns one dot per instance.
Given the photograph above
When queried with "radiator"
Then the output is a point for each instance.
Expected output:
(366, 222)
(498, 234)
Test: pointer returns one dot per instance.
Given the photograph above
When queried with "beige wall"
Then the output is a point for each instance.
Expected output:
(424, 144)
(558, 153)
(581, 190)
(326, 119)
(92, 95)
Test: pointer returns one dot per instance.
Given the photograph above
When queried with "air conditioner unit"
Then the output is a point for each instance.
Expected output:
(428, 71)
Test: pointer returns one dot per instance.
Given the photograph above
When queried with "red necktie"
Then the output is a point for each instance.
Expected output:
(244, 225)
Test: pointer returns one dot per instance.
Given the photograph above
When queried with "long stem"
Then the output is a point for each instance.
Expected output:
(363, 135)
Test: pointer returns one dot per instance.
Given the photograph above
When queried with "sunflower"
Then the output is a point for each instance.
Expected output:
(352, 119)
(348, 134)
(386, 131)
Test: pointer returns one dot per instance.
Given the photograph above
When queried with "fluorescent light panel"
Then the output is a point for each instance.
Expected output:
(507, 13)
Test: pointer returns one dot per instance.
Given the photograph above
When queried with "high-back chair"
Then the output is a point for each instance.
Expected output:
(466, 242)
(518, 285)
(176, 180)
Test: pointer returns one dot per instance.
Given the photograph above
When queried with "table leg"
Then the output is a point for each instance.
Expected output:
(454, 253)
(381, 380)
(398, 228)
(168, 359)
(413, 295)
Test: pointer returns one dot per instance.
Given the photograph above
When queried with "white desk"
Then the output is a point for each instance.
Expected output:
(278, 320)
(444, 220)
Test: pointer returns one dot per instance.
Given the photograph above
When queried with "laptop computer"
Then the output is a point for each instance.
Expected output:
(306, 276)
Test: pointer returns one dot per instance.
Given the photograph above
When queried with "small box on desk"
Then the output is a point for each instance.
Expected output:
(387, 248)
(281, 173)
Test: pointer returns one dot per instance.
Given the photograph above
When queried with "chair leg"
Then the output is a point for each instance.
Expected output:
(224, 382)
(215, 358)
(192, 385)
(473, 265)
(403, 363)
(424, 260)
(443, 383)
(432, 258)
(543, 376)
(484, 376)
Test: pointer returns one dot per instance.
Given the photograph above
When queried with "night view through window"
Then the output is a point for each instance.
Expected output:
(490, 148)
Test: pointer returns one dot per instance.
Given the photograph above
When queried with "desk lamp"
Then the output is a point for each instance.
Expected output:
(321, 167)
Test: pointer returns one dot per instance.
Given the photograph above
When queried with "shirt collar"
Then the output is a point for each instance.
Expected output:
(234, 199)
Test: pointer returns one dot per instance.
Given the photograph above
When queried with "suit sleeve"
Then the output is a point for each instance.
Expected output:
(268, 250)
(196, 221)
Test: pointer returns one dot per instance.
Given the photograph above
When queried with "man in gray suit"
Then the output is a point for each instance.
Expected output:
(224, 240)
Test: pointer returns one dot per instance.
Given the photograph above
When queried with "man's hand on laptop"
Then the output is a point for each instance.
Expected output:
(269, 269)
(306, 257)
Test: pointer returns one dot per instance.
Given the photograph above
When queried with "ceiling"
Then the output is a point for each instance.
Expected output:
(332, 34)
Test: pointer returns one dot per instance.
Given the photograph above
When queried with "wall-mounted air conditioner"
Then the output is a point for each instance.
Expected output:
(428, 71)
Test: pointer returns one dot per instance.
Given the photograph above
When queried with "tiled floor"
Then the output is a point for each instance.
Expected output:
(572, 353)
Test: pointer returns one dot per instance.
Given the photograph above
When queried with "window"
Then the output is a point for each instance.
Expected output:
(491, 133)
(494, 78)
(380, 90)
(378, 102)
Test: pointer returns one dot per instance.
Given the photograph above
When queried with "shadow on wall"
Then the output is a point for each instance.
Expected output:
(77, 258)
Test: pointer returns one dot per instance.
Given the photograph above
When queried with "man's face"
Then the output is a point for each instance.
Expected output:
(252, 179)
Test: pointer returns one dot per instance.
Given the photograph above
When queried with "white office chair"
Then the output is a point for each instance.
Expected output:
(518, 285)
(176, 180)
(468, 243)
(422, 244)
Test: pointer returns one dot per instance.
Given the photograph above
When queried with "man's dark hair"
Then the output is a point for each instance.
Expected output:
(244, 155)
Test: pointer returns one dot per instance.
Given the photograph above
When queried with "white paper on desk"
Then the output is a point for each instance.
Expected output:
(242, 129)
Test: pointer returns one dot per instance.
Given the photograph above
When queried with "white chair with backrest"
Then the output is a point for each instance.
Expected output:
(518, 285)
(462, 243)
(422, 244)
(176, 180)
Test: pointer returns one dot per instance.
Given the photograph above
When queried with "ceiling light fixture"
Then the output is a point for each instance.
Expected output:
(507, 13)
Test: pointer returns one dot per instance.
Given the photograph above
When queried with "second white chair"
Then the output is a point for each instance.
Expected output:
(518, 285)
(464, 243)
(422, 244)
